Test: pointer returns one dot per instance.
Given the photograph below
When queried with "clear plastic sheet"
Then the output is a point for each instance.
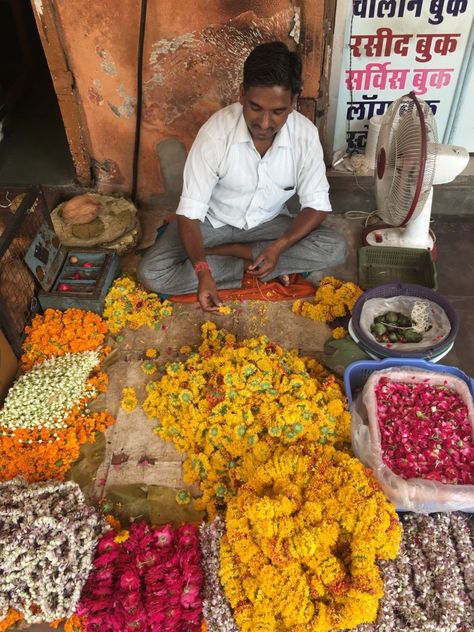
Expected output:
(417, 495)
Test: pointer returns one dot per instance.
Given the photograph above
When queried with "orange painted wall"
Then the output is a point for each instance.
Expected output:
(193, 56)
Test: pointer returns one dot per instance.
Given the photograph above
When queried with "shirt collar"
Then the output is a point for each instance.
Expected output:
(242, 134)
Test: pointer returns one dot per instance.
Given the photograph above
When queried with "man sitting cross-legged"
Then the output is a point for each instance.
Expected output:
(247, 160)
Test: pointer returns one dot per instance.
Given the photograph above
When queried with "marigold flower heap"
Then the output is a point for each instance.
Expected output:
(303, 535)
(229, 405)
(333, 299)
(150, 580)
(129, 304)
(56, 333)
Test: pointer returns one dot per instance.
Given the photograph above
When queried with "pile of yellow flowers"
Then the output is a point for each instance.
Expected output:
(333, 299)
(129, 399)
(302, 538)
(129, 303)
(229, 405)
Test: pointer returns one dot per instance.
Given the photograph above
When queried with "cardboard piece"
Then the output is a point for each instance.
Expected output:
(8, 366)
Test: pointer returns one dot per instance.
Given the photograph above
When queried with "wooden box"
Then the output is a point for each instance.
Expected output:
(71, 277)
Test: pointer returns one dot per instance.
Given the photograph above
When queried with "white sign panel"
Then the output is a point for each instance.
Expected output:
(392, 47)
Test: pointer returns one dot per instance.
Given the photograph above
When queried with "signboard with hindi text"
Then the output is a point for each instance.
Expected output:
(389, 48)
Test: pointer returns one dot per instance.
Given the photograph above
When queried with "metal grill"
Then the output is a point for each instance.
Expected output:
(18, 302)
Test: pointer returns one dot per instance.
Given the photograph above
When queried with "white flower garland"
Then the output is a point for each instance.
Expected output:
(44, 395)
(48, 537)
(215, 605)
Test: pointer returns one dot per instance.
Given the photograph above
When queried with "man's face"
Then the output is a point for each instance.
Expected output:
(266, 109)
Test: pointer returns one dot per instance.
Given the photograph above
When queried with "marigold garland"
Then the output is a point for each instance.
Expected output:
(231, 404)
(11, 617)
(303, 535)
(56, 333)
(75, 624)
(43, 453)
(333, 299)
(130, 304)
(44, 395)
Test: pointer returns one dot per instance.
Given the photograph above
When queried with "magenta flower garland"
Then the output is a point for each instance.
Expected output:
(149, 582)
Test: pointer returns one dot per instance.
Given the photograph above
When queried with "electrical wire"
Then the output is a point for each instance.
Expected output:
(138, 123)
(361, 215)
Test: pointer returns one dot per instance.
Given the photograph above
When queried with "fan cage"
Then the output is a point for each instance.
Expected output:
(405, 165)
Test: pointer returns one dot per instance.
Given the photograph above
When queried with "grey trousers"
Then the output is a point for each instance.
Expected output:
(165, 268)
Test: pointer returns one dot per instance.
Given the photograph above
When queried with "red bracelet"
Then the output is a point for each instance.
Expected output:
(199, 266)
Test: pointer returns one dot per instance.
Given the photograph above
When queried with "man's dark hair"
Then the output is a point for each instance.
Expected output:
(272, 64)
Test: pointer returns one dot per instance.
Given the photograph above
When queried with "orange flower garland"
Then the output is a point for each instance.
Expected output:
(75, 624)
(56, 333)
(41, 453)
(12, 617)
(44, 453)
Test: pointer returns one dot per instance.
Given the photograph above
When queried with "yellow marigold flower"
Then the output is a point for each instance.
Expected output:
(339, 332)
(225, 309)
(151, 352)
(129, 399)
(129, 303)
(236, 402)
(122, 536)
(332, 299)
(318, 522)
(148, 367)
(183, 497)
(185, 349)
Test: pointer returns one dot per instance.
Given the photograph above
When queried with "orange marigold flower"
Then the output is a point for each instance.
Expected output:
(56, 333)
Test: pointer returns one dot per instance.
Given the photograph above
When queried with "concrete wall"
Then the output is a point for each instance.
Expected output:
(193, 56)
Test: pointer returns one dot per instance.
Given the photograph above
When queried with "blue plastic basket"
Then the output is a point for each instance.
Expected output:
(404, 289)
(357, 373)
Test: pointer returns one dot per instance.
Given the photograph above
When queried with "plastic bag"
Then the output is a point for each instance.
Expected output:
(417, 495)
(440, 325)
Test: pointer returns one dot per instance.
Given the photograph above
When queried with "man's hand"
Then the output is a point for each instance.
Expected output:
(207, 292)
(266, 260)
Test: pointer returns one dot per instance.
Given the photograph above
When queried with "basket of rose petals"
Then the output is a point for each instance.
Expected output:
(414, 426)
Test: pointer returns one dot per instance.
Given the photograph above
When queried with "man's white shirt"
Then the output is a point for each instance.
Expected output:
(226, 180)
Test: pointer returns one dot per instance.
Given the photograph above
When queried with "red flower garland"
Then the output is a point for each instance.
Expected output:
(149, 583)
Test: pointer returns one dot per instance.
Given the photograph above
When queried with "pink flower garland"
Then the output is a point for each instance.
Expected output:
(149, 583)
(425, 432)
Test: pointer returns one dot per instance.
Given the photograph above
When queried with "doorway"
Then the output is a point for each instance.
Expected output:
(33, 144)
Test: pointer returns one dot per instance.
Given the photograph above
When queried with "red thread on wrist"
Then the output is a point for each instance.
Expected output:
(199, 266)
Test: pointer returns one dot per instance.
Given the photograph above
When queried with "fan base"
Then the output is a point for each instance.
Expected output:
(384, 235)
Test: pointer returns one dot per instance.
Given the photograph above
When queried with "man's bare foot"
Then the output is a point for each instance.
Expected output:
(284, 279)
